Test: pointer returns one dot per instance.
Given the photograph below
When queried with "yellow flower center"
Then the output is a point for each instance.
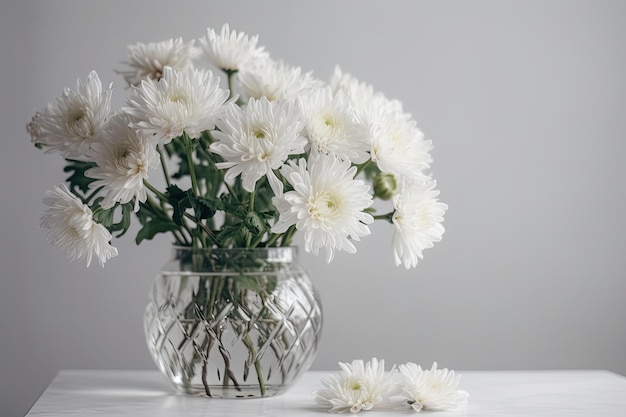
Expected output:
(323, 205)
(177, 98)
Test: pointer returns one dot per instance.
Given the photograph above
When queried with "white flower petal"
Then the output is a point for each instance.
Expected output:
(434, 389)
(123, 157)
(326, 203)
(357, 387)
(70, 225)
(148, 61)
(276, 80)
(188, 101)
(232, 50)
(258, 139)
(417, 221)
(331, 127)
(74, 122)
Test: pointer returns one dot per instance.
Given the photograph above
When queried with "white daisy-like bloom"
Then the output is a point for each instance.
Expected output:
(257, 139)
(71, 226)
(434, 389)
(148, 60)
(331, 127)
(326, 203)
(357, 387)
(276, 80)
(361, 95)
(181, 101)
(34, 128)
(398, 146)
(123, 158)
(73, 123)
(230, 50)
(417, 221)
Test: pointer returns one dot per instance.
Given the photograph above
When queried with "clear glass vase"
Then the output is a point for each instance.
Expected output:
(233, 323)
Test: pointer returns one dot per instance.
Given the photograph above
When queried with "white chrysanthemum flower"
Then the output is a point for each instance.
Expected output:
(123, 158)
(189, 101)
(72, 124)
(361, 95)
(276, 80)
(258, 139)
(326, 202)
(34, 128)
(397, 146)
(330, 126)
(70, 225)
(417, 220)
(148, 60)
(434, 389)
(230, 50)
(358, 386)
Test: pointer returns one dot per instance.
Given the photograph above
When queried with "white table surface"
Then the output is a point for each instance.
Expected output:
(492, 393)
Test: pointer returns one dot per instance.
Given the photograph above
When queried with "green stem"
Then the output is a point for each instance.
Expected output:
(180, 238)
(162, 197)
(232, 192)
(166, 174)
(257, 364)
(256, 241)
(388, 217)
(229, 75)
(155, 191)
(251, 201)
(92, 195)
(192, 167)
(361, 167)
(288, 236)
(205, 229)
(273, 239)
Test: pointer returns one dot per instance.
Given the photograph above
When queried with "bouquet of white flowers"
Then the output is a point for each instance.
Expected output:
(248, 158)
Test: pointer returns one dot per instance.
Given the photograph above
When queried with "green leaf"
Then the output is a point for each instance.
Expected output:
(255, 223)
(154, 221)
(229, 232)
(104, 217)
(124, 224)
(107, 217)
(153, 227)
(202, 207)
(180, 202)
(78, 179)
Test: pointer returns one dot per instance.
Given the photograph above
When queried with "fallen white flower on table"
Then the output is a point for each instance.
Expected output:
(434, 389)
(358, 386)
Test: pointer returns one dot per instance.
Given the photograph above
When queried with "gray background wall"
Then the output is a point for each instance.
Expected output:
(525, 103)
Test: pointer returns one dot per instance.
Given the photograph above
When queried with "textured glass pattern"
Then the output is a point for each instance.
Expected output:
(233, 323)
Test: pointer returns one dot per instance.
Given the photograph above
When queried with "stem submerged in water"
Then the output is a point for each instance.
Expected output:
(257, 364)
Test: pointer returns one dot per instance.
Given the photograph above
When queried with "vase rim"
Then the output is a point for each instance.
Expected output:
(266, 248)
(272, 254)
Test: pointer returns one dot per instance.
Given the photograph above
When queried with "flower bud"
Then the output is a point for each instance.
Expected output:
(385, 186)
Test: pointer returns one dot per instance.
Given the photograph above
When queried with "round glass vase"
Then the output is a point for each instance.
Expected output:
(233, 323)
